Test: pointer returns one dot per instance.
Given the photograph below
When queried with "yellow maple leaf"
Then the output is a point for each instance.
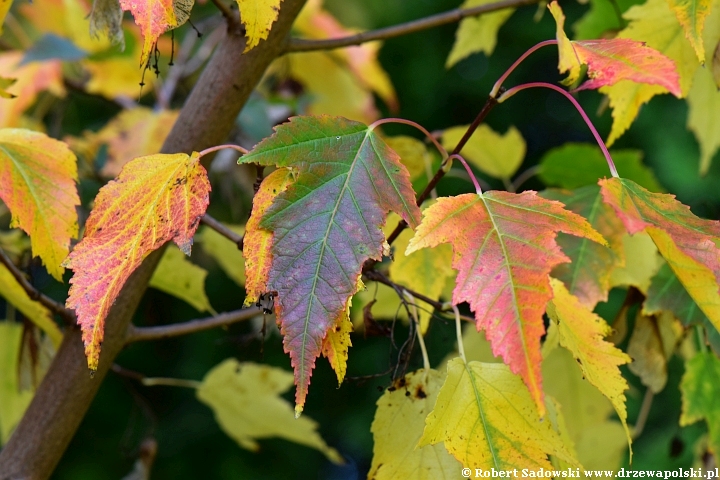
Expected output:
(582, 332)
(337, 342)
(398, 426)
(477, 34)
(245, 398)
(225, 253)
(692, 15)
(177, 276)
(496, 155)
(487, 419)
(37, 183)
(704, 116)
(568, 61)
(655, 24)
(258, 17)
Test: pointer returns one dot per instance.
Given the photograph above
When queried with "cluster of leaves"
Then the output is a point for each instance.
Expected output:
(317, 227)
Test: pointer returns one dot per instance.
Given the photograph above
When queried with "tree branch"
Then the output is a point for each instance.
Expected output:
(451, 16)
(67, 389)
(143, 334)
(231, 18)
(223, 230)
(34, 294)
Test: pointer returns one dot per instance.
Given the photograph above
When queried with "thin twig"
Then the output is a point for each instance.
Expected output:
(223, 230)
(451, 16)
(229, 15)
(67, 315)
(154, 381)
(143, 334)
(525, 176)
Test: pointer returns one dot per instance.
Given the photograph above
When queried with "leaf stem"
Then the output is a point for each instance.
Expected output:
(469, 171)
(444, 18)
(512, 91)
(421, 341)
(226, 12)
(221, 147)
(143, 334)
(223, 230)
(458, 332)
(427, 134)
(154, 381)
(496, 88)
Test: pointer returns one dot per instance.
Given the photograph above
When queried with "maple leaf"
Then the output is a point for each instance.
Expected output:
(106, 16)
(609, 61)
(13, 400)
(504, 248)
(687, 242)
(700, 387)
(487, 419)
(704, 117)
(326, 224)
(226, 254)
(477, 34)
(155, 199)
(642, 262)
(155, 17)
(179, 277)
(654, 24)
(588, 275)
(692, 14)
(666, 293)
(397, 428)
(37, 183)
(651, 345)
(257, 244)
(245, 398)
(496, 155)
(258, 17)
(336, 344)
(583, 332)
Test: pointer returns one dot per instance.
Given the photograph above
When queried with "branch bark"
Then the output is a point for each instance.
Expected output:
(67, 390)
(444, 18)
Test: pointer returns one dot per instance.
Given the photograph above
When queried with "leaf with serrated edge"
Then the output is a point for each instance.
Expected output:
(337, 342)
(257, 244)
(496, 155)
(326, 224)
(583, 332)
(397, 428)
(477, 34)
(155, 17)
(504, 249)
(179, 277)
(487, 419)
(247, 402)
(258, 17)
(700, 388)
(611, 60)
(37, 183)
(588, 275)
(155, 199)
(687, 243)
(692, 14)
(652, 23)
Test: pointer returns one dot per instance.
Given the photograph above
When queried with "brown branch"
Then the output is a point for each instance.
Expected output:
(451, 16)
(67, 389)
(144, 334)
(67, 315)
(223, 230)
(229, 15)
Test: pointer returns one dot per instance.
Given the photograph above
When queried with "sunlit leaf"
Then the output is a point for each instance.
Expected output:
(336, 344)
(487, 419)
(155, 199)
(692, 15)
(700, 387)
(687, 242)
(588, 275)
(642, 261)
(496, 155)
(179, 277)
(477, 34)
(245, 398)
(503, 249)
(326, 224)
(704, 116)
(397, 428)
(258, 17)
(583, 333)
(37, 183)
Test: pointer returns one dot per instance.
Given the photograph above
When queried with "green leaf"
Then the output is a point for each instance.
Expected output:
(494, 154)
(326, 224)
(13, 402)
(667, 293)
(477, 34)
(575, 165)
(700, 387)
